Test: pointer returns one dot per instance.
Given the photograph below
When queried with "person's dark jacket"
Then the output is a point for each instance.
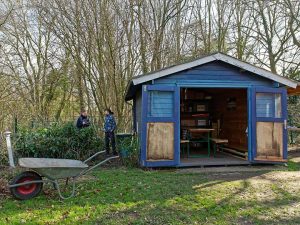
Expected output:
(82, 121)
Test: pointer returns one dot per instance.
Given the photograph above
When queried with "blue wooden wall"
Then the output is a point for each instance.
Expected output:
(218, 73)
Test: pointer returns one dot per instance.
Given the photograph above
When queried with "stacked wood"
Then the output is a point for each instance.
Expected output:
(239, 153)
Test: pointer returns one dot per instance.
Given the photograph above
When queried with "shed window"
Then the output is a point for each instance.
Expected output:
(268, 105)
(160, 104)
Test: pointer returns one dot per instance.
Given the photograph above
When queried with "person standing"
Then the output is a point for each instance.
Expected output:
(83, 120)
(109, 129)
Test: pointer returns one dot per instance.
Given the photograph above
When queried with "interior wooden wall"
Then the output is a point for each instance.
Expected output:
(160, 141)
(233, 122)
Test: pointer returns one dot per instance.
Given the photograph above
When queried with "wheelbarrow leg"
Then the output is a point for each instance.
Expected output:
(59, 191)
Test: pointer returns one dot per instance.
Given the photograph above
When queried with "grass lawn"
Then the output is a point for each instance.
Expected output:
(134, 196)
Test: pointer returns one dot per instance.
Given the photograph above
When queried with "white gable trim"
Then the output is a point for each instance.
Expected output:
(257, 70)
(207, 59)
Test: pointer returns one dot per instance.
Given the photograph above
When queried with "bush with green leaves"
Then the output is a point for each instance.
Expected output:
(58, 141)
(129, 151)
(68, 142)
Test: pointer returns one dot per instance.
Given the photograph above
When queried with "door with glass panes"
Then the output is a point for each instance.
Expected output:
(160, 125)
(269, 123)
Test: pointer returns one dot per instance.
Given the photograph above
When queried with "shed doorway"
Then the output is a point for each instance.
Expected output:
(213, 126)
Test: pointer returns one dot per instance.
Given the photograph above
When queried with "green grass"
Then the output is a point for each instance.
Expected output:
(133, 196)
(293, 166)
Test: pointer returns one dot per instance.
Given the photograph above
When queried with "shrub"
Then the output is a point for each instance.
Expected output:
(129, 151)
(68, 142)
(58, 141)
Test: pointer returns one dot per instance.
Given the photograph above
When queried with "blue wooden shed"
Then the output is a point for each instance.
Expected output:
(215, 110)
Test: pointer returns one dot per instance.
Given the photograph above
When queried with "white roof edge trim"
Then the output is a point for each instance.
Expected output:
(257, 70)
(173, 69)
(207, 59)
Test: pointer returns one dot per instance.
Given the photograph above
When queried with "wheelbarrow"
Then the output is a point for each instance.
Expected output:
(29, 184)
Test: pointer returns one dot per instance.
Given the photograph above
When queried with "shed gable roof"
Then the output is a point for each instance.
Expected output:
(206, 59)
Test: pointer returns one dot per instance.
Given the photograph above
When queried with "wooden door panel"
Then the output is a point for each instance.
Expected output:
(269, 139)
(160, 141)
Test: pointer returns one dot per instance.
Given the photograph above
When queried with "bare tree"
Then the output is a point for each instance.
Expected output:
(294, 19)
(58, 56)
(270, 33)
(28, 50)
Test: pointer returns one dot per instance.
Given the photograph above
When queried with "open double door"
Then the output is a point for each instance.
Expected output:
(160, 140)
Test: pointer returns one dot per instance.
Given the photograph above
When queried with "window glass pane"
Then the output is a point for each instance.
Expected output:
(278, 113)
(160, 104)
(264, 105)
(268, 105)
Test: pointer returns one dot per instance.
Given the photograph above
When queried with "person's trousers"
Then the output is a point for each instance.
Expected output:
(110, 140)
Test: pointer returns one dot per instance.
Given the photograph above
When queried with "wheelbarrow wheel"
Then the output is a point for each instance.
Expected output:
(28, 191)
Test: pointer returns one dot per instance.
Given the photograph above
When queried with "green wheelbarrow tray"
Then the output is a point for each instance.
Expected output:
(28, 184)
(54, 168)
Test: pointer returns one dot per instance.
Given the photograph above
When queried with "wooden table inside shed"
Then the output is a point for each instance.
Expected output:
(202, 140)
(201, 130)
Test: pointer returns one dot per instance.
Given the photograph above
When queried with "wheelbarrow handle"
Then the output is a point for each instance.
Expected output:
(9, 149)
(93, 156)
(28, 182)
(97, 165)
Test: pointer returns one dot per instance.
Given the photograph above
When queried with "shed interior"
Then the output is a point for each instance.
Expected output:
(220, 113)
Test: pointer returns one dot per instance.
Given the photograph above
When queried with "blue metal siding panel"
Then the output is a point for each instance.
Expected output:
(215, 72)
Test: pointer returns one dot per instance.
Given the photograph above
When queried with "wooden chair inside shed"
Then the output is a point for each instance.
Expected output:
(185, 142)
(218, 142)
(184, 145)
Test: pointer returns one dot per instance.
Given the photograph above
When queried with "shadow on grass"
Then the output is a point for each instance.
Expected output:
(198, 208)
(142, 197)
